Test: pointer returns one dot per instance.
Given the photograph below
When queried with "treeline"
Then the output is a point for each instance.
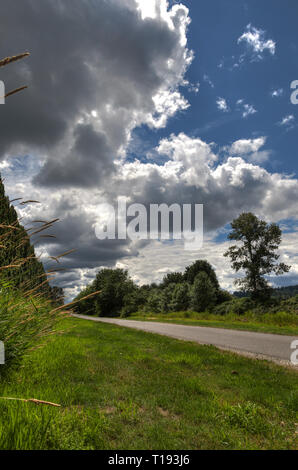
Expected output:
(196, 289)
(276, 292)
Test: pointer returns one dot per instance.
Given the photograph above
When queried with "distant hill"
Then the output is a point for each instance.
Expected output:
(279, 292)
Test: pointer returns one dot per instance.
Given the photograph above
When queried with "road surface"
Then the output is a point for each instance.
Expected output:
(261, 345)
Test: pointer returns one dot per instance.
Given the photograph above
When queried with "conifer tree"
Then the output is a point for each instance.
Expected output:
(18, 262)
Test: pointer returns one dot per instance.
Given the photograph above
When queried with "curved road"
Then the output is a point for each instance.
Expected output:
(262, 345)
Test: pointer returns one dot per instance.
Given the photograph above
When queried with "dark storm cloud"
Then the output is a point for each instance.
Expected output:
(86, 165)
(76, 232)
(85, 55)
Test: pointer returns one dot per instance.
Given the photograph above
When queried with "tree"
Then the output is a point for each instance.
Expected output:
(172, 278)
(201, 266)
(57, 295)
(153, 301)
(16, 251)
(86, 306)
(114, 285)
(255, 253)
(203, 293)
(180, 297)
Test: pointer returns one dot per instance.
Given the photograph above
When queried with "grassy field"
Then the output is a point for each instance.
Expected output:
(279, 323)
(126, 389)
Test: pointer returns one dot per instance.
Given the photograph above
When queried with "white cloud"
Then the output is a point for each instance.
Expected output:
(250, 148)
(222, 105)
(248, 110)
(256, 41)
(287, 121)
(157, 259)
(277, 93)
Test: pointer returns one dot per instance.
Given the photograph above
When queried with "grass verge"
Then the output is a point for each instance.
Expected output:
(282, 324)
(127, 389)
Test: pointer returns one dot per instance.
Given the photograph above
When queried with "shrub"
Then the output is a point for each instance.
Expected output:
(237, 306)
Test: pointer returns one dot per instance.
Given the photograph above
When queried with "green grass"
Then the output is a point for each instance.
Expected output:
(278, 323)
(126, 389)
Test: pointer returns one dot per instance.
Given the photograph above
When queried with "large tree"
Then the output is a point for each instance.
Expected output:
(114, 285)
(255, 253)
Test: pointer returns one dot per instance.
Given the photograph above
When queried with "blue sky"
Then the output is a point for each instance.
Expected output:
(213, 33)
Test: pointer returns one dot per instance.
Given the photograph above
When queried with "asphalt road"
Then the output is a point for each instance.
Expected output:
(262, 345)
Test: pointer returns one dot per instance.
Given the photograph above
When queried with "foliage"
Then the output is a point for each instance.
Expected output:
(24, 320)
(86, 306)
(18, 262)
(201, 266)
(153, 301)
(234, 306)
(180, 297)
(255, 253)
(133, 300)
(203, 293)
(172, 278)
(223, 296)
(114, 286)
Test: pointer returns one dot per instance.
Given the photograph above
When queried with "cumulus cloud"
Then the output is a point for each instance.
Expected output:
(250, 148)
(97, 70)
(256, 42)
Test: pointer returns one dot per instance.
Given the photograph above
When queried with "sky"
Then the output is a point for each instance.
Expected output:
(159, 102)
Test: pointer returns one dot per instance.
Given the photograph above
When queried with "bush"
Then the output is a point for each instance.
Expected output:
(236, 306)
